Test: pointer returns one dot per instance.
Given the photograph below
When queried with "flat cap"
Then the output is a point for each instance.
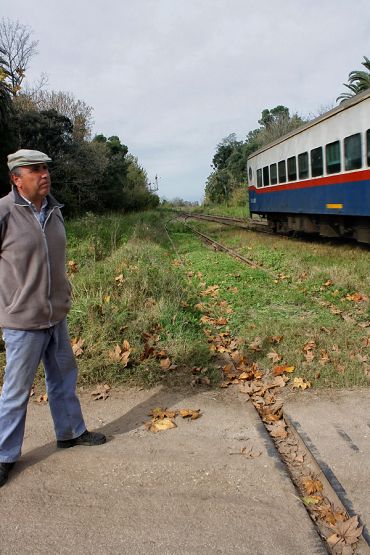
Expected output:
(25, 157)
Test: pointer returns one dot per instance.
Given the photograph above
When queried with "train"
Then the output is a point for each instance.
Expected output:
(316, 179)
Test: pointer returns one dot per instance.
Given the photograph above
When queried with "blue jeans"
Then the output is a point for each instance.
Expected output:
(24, 351)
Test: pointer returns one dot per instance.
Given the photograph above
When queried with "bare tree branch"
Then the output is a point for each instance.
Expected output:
(17, 49)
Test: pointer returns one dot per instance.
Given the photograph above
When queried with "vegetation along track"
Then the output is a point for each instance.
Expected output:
(250, 224)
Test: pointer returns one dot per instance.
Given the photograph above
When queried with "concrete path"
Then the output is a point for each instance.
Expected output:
(336, 428)
(185, 491)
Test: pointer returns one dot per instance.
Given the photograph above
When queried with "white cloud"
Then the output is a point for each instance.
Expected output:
(172, 77)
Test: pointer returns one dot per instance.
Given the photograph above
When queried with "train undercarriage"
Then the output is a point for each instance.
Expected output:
(357, 228)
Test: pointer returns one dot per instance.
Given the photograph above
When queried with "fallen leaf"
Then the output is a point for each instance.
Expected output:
(160, 425)
(121, 354)
(311, 500)
(72, 266)
(309, 346)
(276, 339)
(190, 413)
(347, 531)
(278, 370)
(356, 297)
(119, 279)
(165, 363)
(274, 356)
(256, 345)
(42, 398)
(311, 485)
(101, 392)
(277, 429)
(324, 357)
(77, 345)
(301, 383)
(160, 413)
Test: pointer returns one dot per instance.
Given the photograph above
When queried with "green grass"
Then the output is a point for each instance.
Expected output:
(131, 284)
(291, 296)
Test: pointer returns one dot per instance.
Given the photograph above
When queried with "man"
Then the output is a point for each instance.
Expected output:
(34, 300)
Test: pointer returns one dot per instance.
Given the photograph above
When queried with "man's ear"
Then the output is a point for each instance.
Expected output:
(15, 179)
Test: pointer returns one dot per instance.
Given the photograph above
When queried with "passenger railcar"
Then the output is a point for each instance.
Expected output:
(316, 179)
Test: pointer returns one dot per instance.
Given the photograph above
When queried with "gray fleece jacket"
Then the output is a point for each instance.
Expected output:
(34, 289)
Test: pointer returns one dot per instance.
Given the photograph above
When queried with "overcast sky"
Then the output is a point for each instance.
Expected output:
(171, 78)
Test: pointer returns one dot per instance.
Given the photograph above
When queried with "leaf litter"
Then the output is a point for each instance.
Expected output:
(164, 419)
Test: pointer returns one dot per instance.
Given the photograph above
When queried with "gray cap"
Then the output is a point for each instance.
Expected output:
(25, 157)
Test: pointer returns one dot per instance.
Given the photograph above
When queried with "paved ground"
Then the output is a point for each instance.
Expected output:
(336, 428)
(186, 491)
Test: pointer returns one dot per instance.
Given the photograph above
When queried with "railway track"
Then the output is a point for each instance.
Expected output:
(244, 223)
(220, 247)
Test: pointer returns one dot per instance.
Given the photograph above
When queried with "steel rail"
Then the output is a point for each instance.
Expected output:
(222, 248)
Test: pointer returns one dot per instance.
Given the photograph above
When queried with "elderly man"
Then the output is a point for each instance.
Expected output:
(34, 300)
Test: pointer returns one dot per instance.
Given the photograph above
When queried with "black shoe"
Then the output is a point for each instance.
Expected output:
(87, 438)
(5, 468)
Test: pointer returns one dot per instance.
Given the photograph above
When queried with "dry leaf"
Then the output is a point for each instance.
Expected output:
(165, 363)
(101, 392)
(276, 339)
(42, 398)
(72, 266)
(190, 413)
(274, 357)
(309, 346)
(159, 413)
(121, 354)
(301, 383)
(160, 425)
(311, 485)
(119, 279)
(256, 345)
(277, 429)
(278, 370)
(347, 531)
(77, 345)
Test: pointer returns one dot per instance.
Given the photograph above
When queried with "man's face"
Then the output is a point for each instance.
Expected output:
(33, 182)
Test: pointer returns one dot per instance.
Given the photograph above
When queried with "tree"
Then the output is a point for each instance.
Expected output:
(18, 48)
(275, 123)
(65, 104)
(227, 181)
(5, 95)
(358, 81)
(223, 151)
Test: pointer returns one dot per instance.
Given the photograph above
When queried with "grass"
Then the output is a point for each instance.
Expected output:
(133, 293)
(304, 291)
(130, 285)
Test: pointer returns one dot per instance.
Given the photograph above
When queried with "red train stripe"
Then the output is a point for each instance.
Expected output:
(361, 175)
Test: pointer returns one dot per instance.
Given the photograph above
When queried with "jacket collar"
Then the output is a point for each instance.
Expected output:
(52, 202)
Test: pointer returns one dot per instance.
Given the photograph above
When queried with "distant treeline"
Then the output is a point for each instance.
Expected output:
(88, 174)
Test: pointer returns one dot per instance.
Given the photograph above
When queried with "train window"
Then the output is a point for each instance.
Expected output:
(259, 178)
(303, 165)
(292, 169)
(266, 177)
(250, 174)
(316, 162)
(273, 174)
(332, 151)
(368, 146)
(352, 152)
(282, 171)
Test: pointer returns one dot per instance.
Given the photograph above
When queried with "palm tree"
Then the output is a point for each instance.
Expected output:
(358, 81)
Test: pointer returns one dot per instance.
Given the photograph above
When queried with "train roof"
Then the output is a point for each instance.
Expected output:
(343, 106)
